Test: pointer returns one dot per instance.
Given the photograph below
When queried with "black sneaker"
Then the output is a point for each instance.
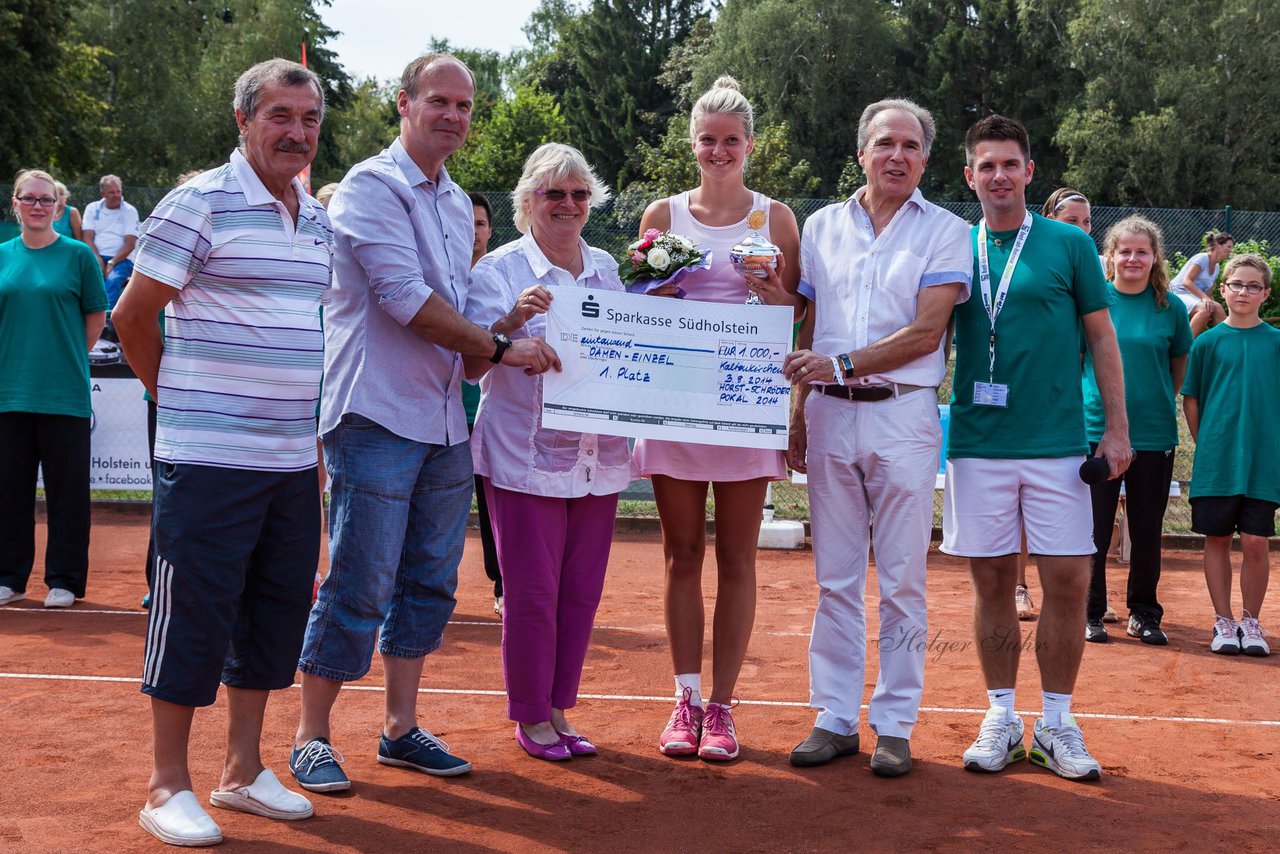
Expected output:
(422, 751)
(1094, 632)
(1146, 630)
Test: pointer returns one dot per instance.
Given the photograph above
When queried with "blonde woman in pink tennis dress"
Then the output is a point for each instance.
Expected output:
(716, 214)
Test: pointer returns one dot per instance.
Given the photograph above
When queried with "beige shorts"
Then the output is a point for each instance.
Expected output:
(988, 503)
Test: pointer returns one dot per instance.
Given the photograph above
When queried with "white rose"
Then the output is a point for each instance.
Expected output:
(659, 259)
(685, 243)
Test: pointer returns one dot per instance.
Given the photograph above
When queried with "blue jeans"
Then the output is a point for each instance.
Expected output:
(397, 524)
(117, 279)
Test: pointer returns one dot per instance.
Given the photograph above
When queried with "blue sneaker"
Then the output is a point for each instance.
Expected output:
(318, 767)
(422, 751)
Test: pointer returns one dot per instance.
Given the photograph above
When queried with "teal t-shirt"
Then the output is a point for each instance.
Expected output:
(1149, 338)
(1232, 374)
(470, 401)
(1057, 281)
(44, 297)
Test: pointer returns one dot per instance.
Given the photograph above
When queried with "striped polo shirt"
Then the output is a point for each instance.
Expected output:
(244, 349)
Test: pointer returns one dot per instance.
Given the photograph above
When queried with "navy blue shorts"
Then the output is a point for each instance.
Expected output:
(1223, 515)
(236, 557)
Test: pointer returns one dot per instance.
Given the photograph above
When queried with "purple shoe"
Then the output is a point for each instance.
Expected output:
(578, 745)
(557, 752)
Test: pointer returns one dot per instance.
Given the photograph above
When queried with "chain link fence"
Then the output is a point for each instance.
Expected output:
(615, 224)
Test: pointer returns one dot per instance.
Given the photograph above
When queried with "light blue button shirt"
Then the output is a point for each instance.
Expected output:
(400, 238)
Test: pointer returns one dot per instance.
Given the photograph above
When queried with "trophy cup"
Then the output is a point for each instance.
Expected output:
(754, 253)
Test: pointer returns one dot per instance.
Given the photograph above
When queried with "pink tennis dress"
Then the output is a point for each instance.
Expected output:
(718, 283)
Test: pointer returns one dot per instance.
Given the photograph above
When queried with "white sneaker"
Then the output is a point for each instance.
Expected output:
(1022, 601)
(8, 594)
(1110, 615)
(1061, 749)
(1226, 637)
(999, 742)
(1251, 637)
(59, 598)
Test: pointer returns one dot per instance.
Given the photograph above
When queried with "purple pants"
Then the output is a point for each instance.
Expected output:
(553, 553)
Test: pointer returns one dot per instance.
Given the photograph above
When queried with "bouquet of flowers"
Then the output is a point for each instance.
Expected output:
(658, 259)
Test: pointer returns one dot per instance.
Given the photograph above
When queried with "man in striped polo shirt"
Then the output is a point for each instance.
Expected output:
(238, 258)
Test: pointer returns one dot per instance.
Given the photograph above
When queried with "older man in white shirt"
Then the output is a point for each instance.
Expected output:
(882, 272)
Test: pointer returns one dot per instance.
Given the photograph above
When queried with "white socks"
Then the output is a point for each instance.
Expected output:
(1056, 707)
(1002, 698)
(692, 681)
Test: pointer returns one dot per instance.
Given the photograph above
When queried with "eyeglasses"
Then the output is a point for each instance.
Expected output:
(558, 195)
(32, 201)
(1244, 288)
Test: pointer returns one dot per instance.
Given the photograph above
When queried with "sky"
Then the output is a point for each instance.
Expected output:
(379, 37)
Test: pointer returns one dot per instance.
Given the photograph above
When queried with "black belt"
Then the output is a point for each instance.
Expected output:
(869, 393)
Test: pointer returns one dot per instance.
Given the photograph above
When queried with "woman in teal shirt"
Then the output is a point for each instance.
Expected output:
(52, 308)
(1154, 337)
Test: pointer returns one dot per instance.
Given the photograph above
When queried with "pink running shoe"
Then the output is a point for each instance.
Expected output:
(680, 738)
(719, 741)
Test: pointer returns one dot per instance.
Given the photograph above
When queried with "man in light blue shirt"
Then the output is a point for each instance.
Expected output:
(395, 433)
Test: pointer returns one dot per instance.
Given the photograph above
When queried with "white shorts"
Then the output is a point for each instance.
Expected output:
(987, 504)
(1189, 300)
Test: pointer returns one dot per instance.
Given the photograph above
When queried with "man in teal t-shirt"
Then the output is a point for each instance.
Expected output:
(1017, 439)
(1232, 411)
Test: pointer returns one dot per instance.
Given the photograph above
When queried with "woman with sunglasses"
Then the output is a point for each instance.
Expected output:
(716, 214)
(1155, 338)
(552, 494)
(52, 309)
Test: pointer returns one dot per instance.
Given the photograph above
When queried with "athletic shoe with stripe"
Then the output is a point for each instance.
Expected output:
(684, 729)
(1226, 637)
(1022, 601)
(1252, 641)
(719, 742)
(1061, 749)
(999, 743)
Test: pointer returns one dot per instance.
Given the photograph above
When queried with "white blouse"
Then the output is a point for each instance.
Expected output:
(509, 445)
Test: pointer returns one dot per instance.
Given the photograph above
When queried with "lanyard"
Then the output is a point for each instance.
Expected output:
(984, 280)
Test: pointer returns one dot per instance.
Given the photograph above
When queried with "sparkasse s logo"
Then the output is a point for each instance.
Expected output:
(590, 308)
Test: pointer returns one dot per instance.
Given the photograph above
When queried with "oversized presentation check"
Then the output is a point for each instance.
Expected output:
(656, 368)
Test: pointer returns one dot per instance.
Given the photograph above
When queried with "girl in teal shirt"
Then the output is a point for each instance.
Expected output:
(1155, 337)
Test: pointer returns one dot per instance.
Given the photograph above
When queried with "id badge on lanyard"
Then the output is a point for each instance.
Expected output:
(992, 393)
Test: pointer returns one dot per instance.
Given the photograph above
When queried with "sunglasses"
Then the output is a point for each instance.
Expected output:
(1242, 288)
(559, 195)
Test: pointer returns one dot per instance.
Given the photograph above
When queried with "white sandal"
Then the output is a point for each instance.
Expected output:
(180, 821)
(265, 796)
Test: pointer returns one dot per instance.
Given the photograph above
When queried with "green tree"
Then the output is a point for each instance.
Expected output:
(169, 71)
(1180, 109)
(48, 114)
(813, 64)
(603, 71)
(365, 125)
(496, 148)
(978, 57)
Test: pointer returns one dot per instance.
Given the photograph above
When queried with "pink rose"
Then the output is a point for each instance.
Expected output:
(652, 235)
(637, 257)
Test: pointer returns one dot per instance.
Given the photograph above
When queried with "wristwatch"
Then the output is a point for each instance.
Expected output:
(846, 366)
(502, 342)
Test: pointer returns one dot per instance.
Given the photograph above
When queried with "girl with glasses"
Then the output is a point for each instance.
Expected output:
(52, 309)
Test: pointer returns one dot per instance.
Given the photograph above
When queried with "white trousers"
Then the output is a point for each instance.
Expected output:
(872, 470)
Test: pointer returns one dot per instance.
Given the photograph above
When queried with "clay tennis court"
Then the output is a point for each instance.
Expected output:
(1188, 740)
